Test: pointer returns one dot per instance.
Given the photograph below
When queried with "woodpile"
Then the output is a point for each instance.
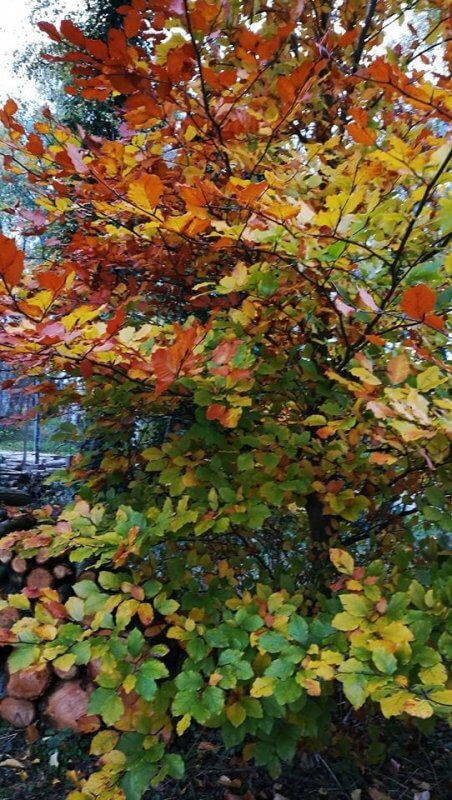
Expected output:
(59, 695)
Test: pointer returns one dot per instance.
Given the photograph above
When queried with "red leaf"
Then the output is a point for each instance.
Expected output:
(35, 145)
(360, 135)
(132, 24)
(11, 261)
(50, 30)
(72, 33)
(97, 48)
(117, 44)
(418, 301)
(115, 322)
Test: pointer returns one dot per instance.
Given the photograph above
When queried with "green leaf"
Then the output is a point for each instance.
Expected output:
(287, 691)
(135, 642)
(197, 649)
(384, 661)
(146, 686)
(175, 765)
(272, 642)
(354, 689)
(189, 681)
(22, 656)
(213, 699)
(136, 781)
(106, 703)
(298, 629)
(245, 462)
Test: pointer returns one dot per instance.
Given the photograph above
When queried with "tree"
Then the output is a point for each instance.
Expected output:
(251, 284)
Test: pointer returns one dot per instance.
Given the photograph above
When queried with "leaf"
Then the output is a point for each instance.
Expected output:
(398, 369)
(146, 192)
(298, 629)
(77, 159)
(262, 687)
(183, 724)
(11, 261)
(154, 669)
(103, 742)
(72, 33)
(22, 656)
(384, 661)
(342, 561)
(236, 714)
(368, 300)
(345, 621)
(355, 689)
(106, 703)
(430, 379)
(418, 301)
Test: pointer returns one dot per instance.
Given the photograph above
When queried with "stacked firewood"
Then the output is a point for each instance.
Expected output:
(46, 692)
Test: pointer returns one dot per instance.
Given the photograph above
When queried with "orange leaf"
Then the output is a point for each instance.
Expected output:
(382, 458)
(434, 321)
(146, 192)
(398, 369)
(360, 135)
(418, 301)
(178, 359)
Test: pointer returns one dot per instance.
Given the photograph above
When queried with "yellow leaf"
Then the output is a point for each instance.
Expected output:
(146, 192)
(433, 675)
(236, 714)
(190, 133)
(64, 662)
(183, 724)
(129, 683)
(342, 560)
(262, 687)
(443, 697)
(365, 376)
(103, 742)
(430, 379)
(393, 705)
(418, 708)
(315, 419)
(346, 622)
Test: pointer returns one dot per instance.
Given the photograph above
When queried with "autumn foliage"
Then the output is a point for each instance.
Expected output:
(247, 293)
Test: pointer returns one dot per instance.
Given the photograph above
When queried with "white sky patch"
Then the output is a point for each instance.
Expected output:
(16, 33)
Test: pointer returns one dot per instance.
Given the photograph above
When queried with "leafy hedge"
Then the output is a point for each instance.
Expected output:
(178, 643)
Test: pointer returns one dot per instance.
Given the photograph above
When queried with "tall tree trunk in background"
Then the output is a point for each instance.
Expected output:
(36, 432)
(25, 436)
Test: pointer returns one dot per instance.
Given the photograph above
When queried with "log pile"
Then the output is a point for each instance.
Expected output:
(17, 475)
(60, 696)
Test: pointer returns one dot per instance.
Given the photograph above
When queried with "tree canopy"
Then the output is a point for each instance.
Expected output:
(247, 290)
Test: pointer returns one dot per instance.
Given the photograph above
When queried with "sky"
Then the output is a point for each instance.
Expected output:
(17, 31)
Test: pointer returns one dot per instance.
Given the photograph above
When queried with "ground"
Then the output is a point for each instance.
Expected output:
(413, 767)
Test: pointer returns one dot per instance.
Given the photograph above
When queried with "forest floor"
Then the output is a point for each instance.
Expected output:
(412, 767)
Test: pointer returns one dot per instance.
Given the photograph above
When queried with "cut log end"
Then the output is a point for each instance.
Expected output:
(19, 713)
